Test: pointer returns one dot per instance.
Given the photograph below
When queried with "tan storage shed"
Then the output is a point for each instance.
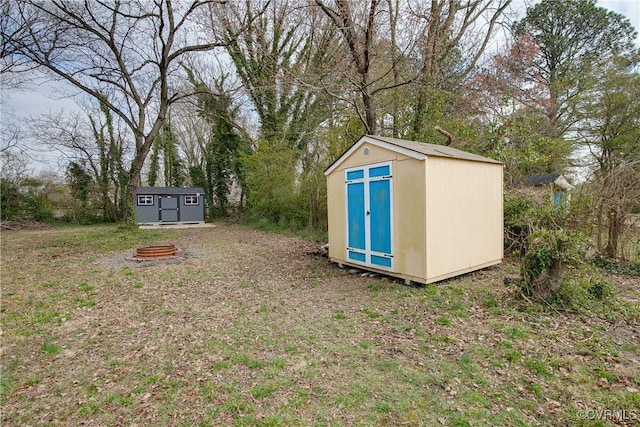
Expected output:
(417, 211)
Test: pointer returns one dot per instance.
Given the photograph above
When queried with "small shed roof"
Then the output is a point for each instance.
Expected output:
(545, 179)
(415, 149)
(169, 190)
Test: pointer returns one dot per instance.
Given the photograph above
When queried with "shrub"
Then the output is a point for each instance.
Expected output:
(286, 187)
(553, 266)
(26, 199)
(548, 254)
(554, 270)
(522, 217)
(271, 180)
(517, 211)
(584, 288)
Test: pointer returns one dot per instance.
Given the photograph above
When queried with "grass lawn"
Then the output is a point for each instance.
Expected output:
(252, 330)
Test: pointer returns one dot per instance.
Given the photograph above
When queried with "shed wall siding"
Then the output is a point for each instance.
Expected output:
(336, 215)
(169, 205)
(147, 213)
(464, 215)
(192, 212)
(376, 155)
(409, 209)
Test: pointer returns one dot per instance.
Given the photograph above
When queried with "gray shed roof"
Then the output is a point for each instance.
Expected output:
(169, 190)
(545, 179)
(550, 178)
(434, 149)
(418, 148)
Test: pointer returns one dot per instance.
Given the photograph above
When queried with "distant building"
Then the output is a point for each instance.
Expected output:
(553, 184)
(170, 205)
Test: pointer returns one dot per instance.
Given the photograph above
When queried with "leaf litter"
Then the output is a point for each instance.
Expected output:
(250, 329)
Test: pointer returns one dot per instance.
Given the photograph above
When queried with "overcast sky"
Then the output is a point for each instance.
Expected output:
(15, 105)
(628, 8)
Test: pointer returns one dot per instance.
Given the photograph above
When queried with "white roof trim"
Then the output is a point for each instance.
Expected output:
(378, 143)
(562, 182)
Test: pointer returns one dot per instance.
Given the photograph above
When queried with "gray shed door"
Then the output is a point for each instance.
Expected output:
(168, 208)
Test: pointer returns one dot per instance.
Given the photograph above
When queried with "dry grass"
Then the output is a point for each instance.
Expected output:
(251, 330)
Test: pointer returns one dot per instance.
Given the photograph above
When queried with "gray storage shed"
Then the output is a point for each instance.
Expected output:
(169, 205)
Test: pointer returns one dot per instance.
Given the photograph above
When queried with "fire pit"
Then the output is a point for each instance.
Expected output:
(155, 252)
(159, 253)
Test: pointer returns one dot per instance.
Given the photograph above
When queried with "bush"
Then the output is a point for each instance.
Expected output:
(38, 209)
(286, 188)
(553, 267)
(19, 204)
(522, 217)
(517, 223)
(615, 266)
(584, 289)
(548, 254)
(553, 271)
(601, 289)
(11, 200)
(271, 180)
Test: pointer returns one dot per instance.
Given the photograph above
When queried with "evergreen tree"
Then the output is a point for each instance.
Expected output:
(574, 38)
(152, 176)
(174, 174)
(222, 165)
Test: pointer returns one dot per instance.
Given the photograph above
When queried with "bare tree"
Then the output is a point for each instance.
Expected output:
(617, 194)
(14, 30)
(125, 55)
(456, 36)
(9, 134)
(281, 58)
(610, 130)
(447, 39)
(359, 42)
(90, 138)
(192, 131)
(369, 31)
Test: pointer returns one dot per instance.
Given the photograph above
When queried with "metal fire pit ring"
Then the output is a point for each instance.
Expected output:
(156, 252)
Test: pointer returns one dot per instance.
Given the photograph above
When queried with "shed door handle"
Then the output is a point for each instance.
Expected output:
(368, 213)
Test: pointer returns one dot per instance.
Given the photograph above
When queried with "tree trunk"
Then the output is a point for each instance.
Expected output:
(420, 113)
(599, 216)
(613, 234)
(369, 111)
(548, 282)
(133, 178)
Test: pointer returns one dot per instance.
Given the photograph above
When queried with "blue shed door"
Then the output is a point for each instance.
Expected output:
(369, 215)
